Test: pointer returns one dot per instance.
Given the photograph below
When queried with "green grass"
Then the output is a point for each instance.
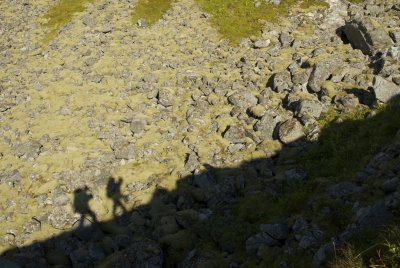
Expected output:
(370, 249)
(237, 19)
(150, 10)
(344, 148)
(60, 14)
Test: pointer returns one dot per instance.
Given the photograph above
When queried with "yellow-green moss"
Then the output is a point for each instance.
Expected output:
(60, 14)
(150, 10)
(237, 19)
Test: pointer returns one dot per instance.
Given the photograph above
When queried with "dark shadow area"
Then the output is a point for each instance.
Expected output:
(340, 32)
(208, 220)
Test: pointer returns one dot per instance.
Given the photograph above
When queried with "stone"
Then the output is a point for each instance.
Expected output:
(321, 71)
(60, 198)
(243, 99)
(394, 53)
(192, 162)
(309, 107)
(346, 102)
(286, 39)
(123, 150)
(368, 35)
(300, 76)
(275, 2)
(277, 231)
(32, 226)
(59, 218)
(307, 234)
(280, 82)
(295, 174)
(165, 97)
(141, 23)
(253, 243)
(262, 43)
(395, 35)
(266, 126)
(290, 131)
(235, 134)
(374, 217)
(27, 150)
(391, 185)
(12, 178)
(384, 90)
(137, 127)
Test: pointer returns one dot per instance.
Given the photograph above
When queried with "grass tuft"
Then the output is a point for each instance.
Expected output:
(370, 249)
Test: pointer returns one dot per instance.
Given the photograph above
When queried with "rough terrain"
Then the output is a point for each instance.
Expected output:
(194, 127)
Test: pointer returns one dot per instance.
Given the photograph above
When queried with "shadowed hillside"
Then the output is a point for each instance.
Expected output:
(304, 200)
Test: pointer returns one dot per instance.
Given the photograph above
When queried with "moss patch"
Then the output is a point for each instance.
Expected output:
(60, 14)
(237, 19)
(150, 10)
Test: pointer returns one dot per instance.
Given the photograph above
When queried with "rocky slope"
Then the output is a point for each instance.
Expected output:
(202, 135)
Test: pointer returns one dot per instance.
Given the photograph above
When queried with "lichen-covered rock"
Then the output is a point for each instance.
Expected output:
(290, 131)
(235, 134)
(368, 35)
(281, 81)
(27, 150)
(384, 90)
(267, 124)
(309, 107)
(321, 71)
(243, 99)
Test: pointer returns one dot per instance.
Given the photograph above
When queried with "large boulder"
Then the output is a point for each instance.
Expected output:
(309, 107)
(321, 72)
(280, 82)
(266, 126)
(243, 99)
(384, 90)
(367, 35)
(290, 131)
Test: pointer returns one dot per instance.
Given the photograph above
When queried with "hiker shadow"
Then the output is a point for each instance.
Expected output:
(114, 193)
(82, 196)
